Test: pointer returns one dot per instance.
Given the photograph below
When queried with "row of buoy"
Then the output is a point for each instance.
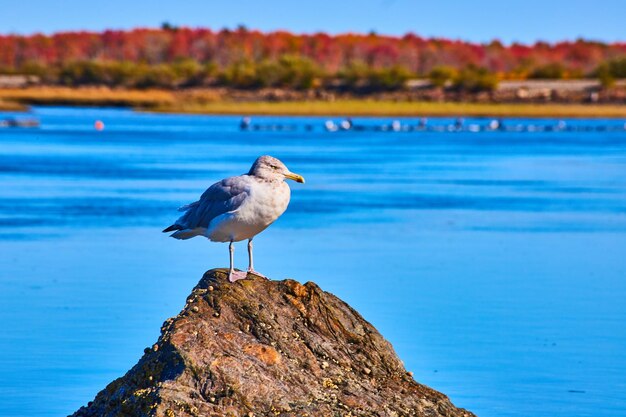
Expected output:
(422, 125)
(246, 124)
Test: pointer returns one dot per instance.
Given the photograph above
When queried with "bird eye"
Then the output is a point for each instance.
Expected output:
(274, 166)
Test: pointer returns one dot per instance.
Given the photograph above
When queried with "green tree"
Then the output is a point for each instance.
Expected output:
(242, 74)
(81, 73)
(473, 79)
(617, 67)
(388, 79)
(442, 75)
(354, 75)
(604, 75)
(269, 73)
(161, 75)
(553, 71)
(298, 72)
(360, 76)
(169, 27)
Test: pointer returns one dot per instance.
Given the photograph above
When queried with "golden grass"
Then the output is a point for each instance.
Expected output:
(212, 102)
(89, 96)
(389, 108)
(11, 106)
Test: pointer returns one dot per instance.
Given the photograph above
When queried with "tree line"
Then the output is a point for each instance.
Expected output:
(173, 57)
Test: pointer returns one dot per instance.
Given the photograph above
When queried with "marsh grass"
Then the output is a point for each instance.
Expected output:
(212, 102)
(389, 108)
(11, 106)
(89, 96)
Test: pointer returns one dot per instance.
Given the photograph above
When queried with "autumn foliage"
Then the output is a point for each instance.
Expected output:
(179, 57)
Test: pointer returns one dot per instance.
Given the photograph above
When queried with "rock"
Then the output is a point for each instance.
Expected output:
(268, 348)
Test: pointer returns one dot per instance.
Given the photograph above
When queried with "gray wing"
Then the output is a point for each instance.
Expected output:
(222, 197)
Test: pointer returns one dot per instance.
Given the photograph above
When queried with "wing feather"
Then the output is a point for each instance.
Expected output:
(222, 197)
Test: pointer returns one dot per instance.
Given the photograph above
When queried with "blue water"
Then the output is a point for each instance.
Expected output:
(494, 262)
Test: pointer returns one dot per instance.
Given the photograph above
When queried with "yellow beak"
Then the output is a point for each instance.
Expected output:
(295, 177)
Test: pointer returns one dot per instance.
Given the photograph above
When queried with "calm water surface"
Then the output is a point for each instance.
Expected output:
(494, 262)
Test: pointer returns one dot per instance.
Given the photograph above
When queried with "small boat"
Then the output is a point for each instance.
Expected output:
(25, 123)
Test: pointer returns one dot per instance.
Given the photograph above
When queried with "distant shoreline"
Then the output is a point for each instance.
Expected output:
(368, 108)
(210, 102)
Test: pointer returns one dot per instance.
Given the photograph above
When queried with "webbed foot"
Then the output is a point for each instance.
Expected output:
(237, 275)
(253, 272)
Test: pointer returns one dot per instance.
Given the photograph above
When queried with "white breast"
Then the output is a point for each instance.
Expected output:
(265, 203)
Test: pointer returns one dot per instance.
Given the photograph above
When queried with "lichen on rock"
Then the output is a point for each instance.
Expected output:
(267, 348)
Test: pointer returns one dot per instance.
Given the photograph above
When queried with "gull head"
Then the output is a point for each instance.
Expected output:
(272, 169)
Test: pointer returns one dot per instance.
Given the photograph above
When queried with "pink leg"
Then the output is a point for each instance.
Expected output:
(251, 261)
(232, 274)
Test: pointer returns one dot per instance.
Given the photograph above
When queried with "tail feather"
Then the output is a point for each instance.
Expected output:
(187, 233)
(172, 228)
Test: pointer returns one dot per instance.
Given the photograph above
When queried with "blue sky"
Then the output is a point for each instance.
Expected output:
(478, 20)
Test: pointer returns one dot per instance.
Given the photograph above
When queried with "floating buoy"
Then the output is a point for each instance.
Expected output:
(99, 125)
(330, 126)
(346, 124)
(245, 123)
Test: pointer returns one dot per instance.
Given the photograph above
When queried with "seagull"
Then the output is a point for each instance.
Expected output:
(238, 208)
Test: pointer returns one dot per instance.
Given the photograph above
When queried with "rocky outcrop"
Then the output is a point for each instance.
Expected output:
(268, 348)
